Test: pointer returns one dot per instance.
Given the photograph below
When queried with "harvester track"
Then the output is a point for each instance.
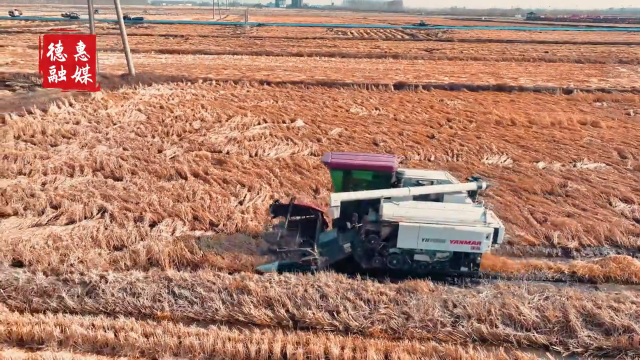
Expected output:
(481, 278)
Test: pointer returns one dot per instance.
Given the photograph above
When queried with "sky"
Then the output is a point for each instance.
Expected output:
(554, 4)
(484, 4)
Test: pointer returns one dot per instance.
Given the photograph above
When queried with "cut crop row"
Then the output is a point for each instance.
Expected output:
(104, 246)
(572, 320)
(150, 339)
(369, 71)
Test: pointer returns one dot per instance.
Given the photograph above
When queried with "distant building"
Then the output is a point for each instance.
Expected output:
(532, 16)
(394, 5)
(173, 2)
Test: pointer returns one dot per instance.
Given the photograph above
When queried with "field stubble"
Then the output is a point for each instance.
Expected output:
(587, 54)
(162, 339)
(585, 322)
(472, 74)
(131, 179)
(165, 177)
(385, 34)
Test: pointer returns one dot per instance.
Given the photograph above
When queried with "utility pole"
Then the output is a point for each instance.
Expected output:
(214, 9)
(125, 42)
(92, 23)
(92, 29)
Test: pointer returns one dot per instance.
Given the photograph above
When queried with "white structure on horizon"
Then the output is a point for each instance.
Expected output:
(374, 4)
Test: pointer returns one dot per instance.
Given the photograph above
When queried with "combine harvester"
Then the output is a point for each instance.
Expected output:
(128, 17)
(385, 221)
(15, 13)
(70, 15)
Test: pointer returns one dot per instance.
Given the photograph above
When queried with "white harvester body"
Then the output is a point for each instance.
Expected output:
(449, 221)
(442, 226)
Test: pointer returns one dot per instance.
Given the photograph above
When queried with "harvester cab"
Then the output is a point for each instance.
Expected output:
(385, 219)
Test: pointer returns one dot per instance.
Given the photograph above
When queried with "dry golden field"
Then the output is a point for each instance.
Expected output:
(346, 48)
(360, 71)
(130, 219)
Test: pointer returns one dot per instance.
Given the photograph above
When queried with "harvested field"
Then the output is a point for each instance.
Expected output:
(131, 219)
(153, 339)
(490, 36)
(261, 113)
(361, 71)
(398, 35)
(549, 53)
(357, 307)
(81, 181)
(22, 354)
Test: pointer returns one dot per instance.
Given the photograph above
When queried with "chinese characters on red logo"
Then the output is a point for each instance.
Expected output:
(68, 62)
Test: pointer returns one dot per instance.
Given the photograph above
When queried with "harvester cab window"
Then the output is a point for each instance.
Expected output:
(423, 182)
(359, 180)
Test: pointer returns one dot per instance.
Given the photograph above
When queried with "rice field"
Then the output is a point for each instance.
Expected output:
(131, 219)
(343, 48)
(310, 70)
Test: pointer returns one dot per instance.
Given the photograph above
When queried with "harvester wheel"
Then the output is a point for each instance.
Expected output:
(421, 267)
(373, 240)
(377, 262)
(395, 261)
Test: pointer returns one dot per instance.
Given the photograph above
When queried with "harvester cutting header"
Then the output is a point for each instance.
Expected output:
(385, 219)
